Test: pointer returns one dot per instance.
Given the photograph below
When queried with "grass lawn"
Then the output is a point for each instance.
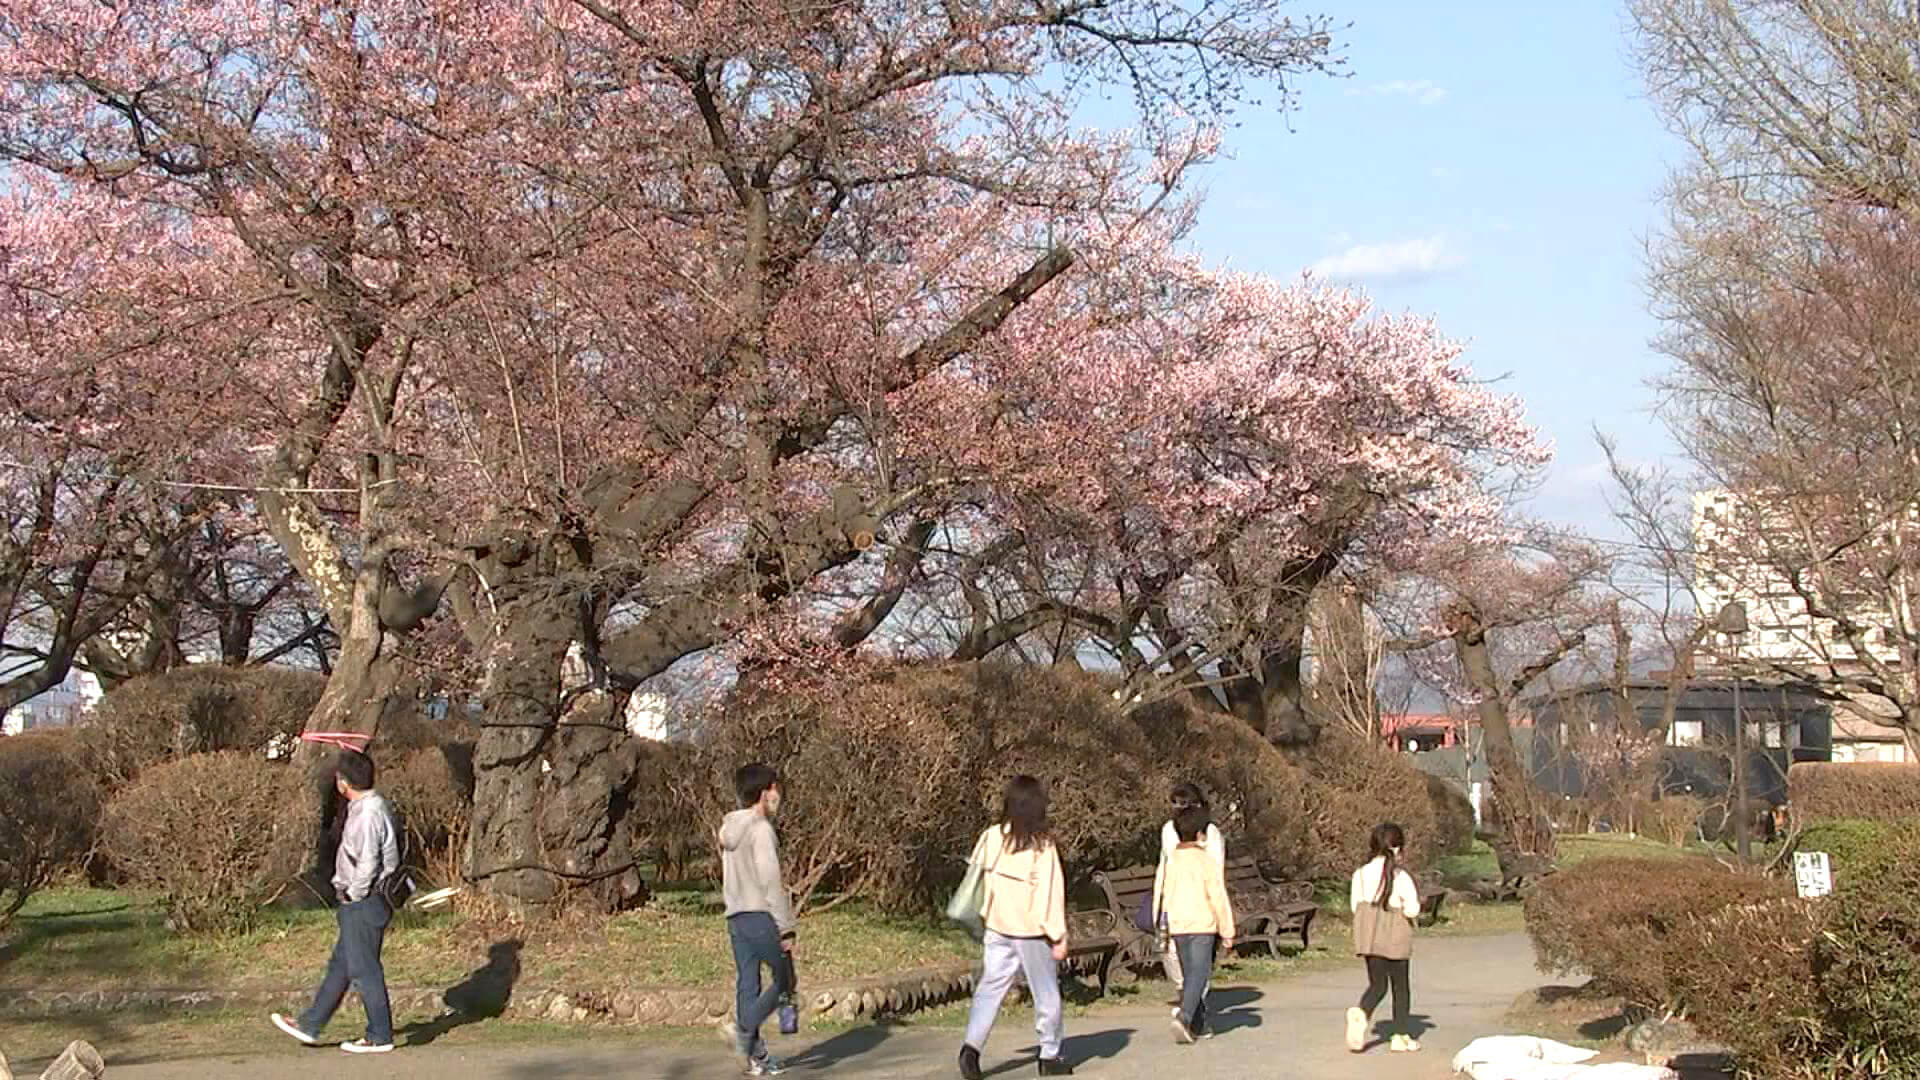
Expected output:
(89, 938)
(1478, 862)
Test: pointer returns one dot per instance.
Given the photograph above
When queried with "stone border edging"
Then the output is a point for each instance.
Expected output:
(892, 995)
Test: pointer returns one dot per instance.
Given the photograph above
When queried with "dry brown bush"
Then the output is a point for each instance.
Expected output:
(1746, 975)
(432, 799)
(1854, 791)
(203, 832)
(1257, 794)
(1354, 785)
(1610, 917)
(49, 810)
(1673, 819)
(196, 709)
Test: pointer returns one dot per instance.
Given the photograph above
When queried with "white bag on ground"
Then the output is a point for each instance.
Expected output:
(1525, 1057)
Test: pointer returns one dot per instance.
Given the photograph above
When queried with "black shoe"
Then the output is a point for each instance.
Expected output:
(970, 1063)
(1055, 1067)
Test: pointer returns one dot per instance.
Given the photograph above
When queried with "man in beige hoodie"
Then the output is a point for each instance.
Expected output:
(759, 913)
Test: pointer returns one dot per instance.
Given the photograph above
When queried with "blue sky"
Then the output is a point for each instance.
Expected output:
(1497, 166)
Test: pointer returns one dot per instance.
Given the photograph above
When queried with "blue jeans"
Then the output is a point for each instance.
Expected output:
(756, 944)
(356, 961)
(1196, 969)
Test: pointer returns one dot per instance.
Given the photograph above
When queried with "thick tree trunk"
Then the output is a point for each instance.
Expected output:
(586, 802)
(362, 690)
(520, 703)
(1273, 701)
(1526, 826)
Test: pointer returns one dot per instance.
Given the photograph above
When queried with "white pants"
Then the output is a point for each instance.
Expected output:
(1005, 958)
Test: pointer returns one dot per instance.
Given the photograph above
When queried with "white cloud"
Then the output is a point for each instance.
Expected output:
(1401, 260)
(1419, 91)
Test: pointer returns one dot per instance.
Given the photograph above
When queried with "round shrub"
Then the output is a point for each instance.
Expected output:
(1610, 917)
(203, 832)
(196, 709)
(1258, 796)
(1352, 786)
(49, 809)
(1813, 990)
(889, 775)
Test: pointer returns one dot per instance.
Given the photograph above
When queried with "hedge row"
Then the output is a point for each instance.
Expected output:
(1610, 917)
(1800, 989)
(1865, 791)
(1813, 990)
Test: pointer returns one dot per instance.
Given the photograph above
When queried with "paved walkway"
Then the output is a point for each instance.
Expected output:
(1290, 1030)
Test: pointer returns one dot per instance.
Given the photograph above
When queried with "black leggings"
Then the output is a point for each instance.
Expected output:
(1380, 972)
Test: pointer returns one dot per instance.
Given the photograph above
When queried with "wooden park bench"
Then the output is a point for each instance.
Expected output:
(1263, 911)
(1267, 911)
(1094, 940)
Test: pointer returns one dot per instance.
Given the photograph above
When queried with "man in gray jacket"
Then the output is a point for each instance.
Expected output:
(759, 914)
(368, 855)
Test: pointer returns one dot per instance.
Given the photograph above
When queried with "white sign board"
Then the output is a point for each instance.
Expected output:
(1812, 873)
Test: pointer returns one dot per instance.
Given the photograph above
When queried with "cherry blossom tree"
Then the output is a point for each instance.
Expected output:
(592, 317)
(1270, 434)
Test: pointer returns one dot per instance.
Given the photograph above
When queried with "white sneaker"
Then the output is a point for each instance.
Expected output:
(1404, 1044)
(362, 1046)
(766, 1066)
(1356, 1029)
(289, 1028)
(1181, 1033)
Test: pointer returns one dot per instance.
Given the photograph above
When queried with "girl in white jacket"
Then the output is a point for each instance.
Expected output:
(1385, 903)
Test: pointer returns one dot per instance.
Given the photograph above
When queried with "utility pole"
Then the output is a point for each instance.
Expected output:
(1732, 621)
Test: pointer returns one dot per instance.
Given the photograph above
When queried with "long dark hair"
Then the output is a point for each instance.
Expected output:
(1023, 810)
(1386, 841)
(1185, 794)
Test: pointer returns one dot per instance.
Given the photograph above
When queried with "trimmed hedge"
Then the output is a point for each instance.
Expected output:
(1813, 990)
(202, 831)
(1863, 791)
(1851, 844)
(49, 809)
(196, 709)
(1610, 917)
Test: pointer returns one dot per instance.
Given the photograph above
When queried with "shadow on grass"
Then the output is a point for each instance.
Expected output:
(482, 995)
(101, 941)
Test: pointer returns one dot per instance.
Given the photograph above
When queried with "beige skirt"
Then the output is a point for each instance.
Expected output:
(1380, 932)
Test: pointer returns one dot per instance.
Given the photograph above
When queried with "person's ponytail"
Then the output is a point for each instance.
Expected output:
(1385, 843)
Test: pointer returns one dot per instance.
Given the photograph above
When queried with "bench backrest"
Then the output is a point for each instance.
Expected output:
(1125, 887)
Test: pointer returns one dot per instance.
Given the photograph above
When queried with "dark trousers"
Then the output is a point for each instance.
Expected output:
(756, 944)
(1380, 973)
(1196, 972)
(356, 962)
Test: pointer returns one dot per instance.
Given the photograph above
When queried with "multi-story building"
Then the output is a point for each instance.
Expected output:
(1740, 545)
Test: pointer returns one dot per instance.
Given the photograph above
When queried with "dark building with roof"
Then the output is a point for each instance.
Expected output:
(1782, 726)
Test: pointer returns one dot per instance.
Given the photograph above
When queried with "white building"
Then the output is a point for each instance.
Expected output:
(1779, 627)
